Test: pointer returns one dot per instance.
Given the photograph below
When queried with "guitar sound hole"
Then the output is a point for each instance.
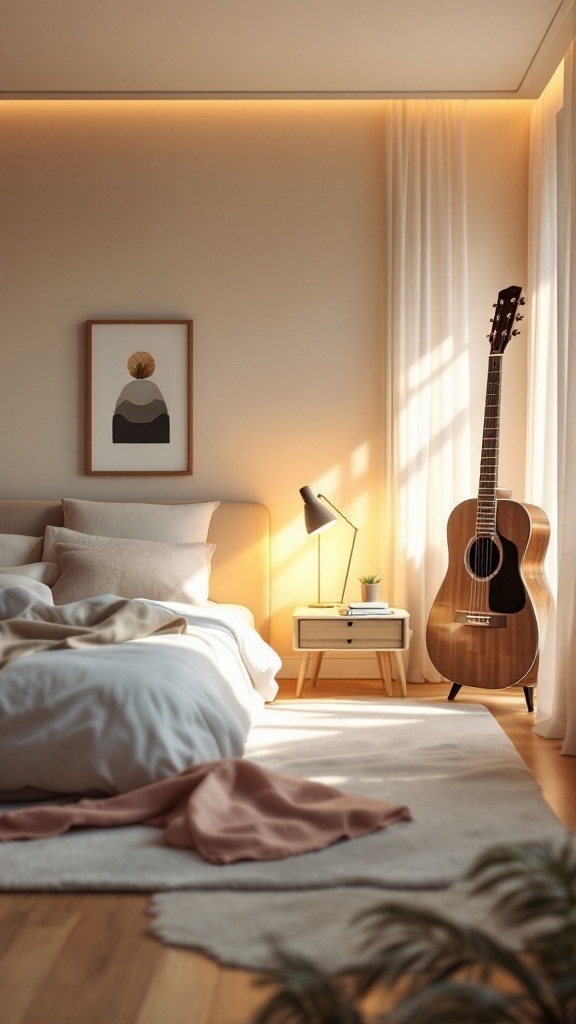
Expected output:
(484, 557)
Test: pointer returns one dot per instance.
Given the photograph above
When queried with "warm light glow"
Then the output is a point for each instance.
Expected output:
(322, 529)
(360, 460)
(204, 105)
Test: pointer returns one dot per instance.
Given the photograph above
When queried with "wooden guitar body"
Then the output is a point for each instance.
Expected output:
(486, 624)
(487, 621)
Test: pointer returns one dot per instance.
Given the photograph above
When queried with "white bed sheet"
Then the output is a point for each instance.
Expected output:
(110, 719)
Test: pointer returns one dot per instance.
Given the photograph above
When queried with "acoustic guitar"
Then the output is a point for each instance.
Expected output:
(486, 624)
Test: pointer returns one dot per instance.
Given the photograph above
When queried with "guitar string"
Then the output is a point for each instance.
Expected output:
(484, 551)
(490, 463)
(487, 503)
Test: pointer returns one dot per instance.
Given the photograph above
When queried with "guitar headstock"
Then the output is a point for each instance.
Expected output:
(505, 314)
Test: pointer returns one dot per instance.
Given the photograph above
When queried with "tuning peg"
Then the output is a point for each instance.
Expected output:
(515, 332)
(522, 301)
(520, 317)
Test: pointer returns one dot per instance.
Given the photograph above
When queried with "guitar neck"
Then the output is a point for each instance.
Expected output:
(486, 506)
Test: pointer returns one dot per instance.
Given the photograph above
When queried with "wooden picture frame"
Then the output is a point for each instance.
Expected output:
(138, 397)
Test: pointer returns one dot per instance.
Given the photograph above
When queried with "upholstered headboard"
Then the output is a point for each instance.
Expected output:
(240, 564)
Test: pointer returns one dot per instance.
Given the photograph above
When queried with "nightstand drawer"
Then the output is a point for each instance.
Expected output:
(335, 634)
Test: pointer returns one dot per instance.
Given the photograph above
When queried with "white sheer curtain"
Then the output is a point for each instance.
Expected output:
(551, 462)
(425, 364)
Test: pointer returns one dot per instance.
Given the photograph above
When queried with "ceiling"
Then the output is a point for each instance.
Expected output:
(493, 49)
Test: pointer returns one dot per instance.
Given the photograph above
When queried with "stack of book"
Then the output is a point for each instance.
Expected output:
(371, 608)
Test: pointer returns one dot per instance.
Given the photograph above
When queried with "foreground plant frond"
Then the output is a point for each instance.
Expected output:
(530, 881)
(456, 1002)
(406, 939)
(428, 948)
(534, 887)
(306, 995)
(443, 971)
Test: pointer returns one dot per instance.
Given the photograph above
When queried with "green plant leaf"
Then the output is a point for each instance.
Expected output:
(306, 994)
(532, 884)
(458, 1003)
(426, 948)
(443, 971)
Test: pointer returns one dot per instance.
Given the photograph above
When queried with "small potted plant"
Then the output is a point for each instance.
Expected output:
(370, 587)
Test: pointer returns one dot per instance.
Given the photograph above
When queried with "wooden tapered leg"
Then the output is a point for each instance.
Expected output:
(454, 690)
(302, 673)
(400, 671)
(316, 663)
(385, 671)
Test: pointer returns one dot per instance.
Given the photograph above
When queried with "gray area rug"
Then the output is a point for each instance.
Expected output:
(456, 769)
(241, 929)
(451, 764)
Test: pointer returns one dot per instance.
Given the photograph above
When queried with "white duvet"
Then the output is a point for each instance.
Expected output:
(111, 718)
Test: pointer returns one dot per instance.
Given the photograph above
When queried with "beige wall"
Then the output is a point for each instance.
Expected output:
(262, 222)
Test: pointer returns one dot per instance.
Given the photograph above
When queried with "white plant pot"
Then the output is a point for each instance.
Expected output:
(370, 591)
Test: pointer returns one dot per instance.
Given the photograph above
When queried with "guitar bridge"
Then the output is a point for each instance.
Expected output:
(488, 620)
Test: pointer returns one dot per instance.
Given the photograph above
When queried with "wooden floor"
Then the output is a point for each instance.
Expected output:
(89, 959)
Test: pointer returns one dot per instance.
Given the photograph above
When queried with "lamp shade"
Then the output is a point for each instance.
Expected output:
(316, 516)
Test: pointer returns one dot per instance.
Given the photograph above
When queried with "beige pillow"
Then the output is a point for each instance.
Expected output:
(184, 523)
(18, 549)
(44, 572)
(61, 535)
(159, 572)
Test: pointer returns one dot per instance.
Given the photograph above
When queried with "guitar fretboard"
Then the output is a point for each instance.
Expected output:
(486, 505)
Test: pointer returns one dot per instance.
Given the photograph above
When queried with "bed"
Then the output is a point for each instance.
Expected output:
(133, 640)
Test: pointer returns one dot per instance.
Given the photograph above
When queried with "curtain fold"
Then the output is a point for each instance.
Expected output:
(551, 448)
(425, 353)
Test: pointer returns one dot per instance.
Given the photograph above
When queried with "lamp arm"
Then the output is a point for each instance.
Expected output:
(341, 514)
(355, 528)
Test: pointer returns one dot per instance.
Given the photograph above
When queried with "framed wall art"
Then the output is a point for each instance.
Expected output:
(139, 397)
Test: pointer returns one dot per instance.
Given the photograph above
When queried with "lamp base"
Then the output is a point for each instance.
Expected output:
(324, 604)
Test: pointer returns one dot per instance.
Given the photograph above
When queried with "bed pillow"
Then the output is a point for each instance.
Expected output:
(61, 535)
(44, 572)
(159, 572)
(40, 590)
(17, 549)
(184, 523)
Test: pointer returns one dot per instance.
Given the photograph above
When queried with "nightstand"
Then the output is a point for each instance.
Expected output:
(317, 630)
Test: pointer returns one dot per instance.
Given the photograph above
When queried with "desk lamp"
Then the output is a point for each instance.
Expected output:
(318, 518)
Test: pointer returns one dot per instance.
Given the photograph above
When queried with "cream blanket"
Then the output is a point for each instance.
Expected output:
(28, 626)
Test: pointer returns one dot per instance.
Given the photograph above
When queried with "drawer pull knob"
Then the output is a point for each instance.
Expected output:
(349, 624)
(349, 640)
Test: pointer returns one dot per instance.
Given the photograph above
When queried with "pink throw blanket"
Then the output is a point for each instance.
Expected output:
(226, 811)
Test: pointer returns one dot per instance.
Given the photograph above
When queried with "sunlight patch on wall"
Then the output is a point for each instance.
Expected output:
(435, 402)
